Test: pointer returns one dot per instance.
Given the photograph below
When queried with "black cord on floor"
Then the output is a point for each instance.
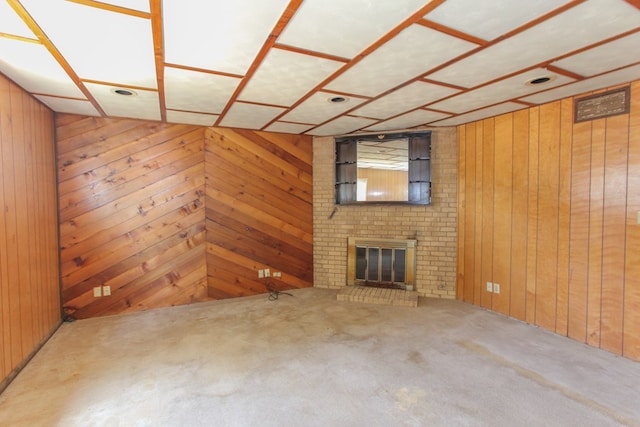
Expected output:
(274, 294)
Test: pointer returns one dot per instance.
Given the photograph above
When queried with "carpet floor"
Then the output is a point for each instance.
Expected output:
(310, 360)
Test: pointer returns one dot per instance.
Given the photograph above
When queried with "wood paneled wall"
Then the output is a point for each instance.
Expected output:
(549, 210)
(259, 211)
(385, 185)
(29, 279)
(131, 199)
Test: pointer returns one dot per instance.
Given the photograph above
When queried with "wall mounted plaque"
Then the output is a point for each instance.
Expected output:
(601, 105)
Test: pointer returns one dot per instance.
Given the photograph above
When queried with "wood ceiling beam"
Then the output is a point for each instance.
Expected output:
(158, 53)
(112, 8)
(19, 38)
(202, 70)
(291, 9)
(310, 53)
(452, 32)
(35, 28)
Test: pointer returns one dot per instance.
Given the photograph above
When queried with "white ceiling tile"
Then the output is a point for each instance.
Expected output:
(610, 79)
(218, 35)
(284, 127)
(409, 120)
(317, 109)
(66, 105)
(99, 44)
(502, 90)
(414, 51)
(144, 105)
(598, 19)
(489, 19)
(495, 110)
(31, 66)
(250, 116)
(141, 5)
(197, 91)
(284, 77)
(10, 22)
(604, 58)
(340, 126)
(345, 28)
(404, 99)
(189, 118)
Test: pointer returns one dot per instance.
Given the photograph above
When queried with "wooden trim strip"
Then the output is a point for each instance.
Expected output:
(634, 3)
(19, 38)
(564, 72)
(33, 26)
(350, 95)
(112, 8)
(594, 45)
(203, 70)
(72, 98)
(435, 82)
(452, 32)
(158, 52)
(239, 101)
(120, 85)
(291, 9)
(310, 53)
(191, 112)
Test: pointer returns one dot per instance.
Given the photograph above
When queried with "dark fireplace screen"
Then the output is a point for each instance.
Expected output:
(379, 266)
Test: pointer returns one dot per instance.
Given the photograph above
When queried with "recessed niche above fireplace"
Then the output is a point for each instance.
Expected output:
(384, 263)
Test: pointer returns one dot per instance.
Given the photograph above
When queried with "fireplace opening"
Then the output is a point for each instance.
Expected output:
(384, 263)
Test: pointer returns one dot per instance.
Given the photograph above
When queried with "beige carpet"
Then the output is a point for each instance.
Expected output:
(310, 360)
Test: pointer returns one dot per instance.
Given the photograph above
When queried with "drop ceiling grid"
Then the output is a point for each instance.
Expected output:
(345, 28)
(599, 19)
(284, 77)
(288, 127)
(125, 54)
(489, 19)
(502, 90)
(141, 5)
(46, 77)
(411, 53)
(317, 109)
(341, 125)
(404, 99)
(250, 116)
(66, 105)
(222, 36)
(197, 91)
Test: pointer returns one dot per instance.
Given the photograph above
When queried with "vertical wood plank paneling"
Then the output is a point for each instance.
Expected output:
(596, 208)
(488, 161)
(479, 286)
(259, 211)
(470, 214)
(564, 215)
(29, 279)
(547, 239)
(579, 233)
(532, 224)
(502, 203)
(631, 332)
(614, 229)
(131, 196)
(460, 276)
(520, 169)
(567, 193)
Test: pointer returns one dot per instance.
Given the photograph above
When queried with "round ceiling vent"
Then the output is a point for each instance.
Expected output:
(338, 99)
(123, 92)
(541, 80)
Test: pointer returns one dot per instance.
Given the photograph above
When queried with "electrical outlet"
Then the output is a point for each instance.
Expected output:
(106, 291)
(97, 291)
(277, 274)
(267, 273)
(260, 274)
(489, 287)
(496, 288)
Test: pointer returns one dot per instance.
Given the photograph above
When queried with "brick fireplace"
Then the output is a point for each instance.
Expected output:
(383, 263)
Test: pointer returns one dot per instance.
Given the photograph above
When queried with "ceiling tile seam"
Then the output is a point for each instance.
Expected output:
(20, 38)
(112, 8)
(284, 19)
(411, 20)
(263, 104)
(119, 85)
(71, 98)
(452, 32)
(564, 72)
(439, 83)
(202, 70)
(312, 53)
(351, 95)
(155, 6)
(53, 50)
(192, 112)
(295, 123)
